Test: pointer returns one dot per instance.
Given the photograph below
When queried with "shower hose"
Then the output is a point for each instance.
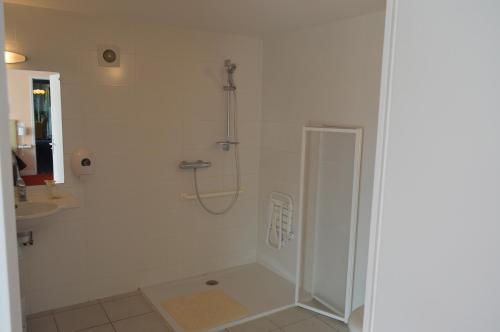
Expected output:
(236, 163)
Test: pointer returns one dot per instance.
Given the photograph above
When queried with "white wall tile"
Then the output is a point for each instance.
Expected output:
(328, 74)
(165, 103)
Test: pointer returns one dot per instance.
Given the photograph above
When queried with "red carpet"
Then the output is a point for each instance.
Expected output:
(35, 180)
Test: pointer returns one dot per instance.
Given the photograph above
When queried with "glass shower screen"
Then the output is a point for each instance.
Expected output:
(330, 173)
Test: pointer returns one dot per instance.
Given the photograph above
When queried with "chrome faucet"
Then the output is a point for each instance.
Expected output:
(21, 190)
(20, 186)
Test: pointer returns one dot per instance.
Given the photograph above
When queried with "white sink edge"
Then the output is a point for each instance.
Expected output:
(41, 214)
(68, 201)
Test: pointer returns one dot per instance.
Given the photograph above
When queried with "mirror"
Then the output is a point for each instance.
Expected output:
(36, 125)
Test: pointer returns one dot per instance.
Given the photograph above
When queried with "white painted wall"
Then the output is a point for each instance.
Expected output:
(10, 302)
(164, 104)
(439, 248)
(326, 74)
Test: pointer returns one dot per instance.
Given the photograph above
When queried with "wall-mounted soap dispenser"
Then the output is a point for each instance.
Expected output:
(82, 162)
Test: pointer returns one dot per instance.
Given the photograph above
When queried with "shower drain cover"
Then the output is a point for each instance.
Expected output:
(212, 282)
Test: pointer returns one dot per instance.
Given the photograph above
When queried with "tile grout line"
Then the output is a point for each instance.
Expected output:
(134, 316)
(101, 302)
(92, 327)
(281, 328)
(277, 328)
(107, 316)
(325, 323)
(40, 314)
(119, 297)
(78, 308)
(298, 321)
(74, 307)
(89, 303)
(55, 322)
(151, 309)
(154, 309)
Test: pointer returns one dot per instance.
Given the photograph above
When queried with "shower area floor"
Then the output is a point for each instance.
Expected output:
(258, 289)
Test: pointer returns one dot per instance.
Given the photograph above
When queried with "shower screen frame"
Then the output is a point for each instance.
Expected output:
(358, 134)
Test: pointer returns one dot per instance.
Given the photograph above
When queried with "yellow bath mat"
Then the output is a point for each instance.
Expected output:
(205, 310)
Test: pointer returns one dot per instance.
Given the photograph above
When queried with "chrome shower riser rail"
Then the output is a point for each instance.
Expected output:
(231, 140)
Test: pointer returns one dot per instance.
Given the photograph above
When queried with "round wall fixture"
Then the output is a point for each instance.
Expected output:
(82, 162)
(108, 55)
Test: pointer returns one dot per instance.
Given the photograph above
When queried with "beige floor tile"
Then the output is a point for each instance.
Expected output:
(341, 327)
(102, 328)
(127, 307)
(289, 316)
(39, 314)
(75, 306)
(81, 318)
(42, 324)
(120, 296)
(257, 325)
(309, 325)
(151, 322)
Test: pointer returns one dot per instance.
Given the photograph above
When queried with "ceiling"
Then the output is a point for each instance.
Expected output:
(250, 17)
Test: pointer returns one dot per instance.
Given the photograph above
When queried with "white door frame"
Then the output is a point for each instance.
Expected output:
(10, 295)
(57, 128)
(358, 135)
(380, 164)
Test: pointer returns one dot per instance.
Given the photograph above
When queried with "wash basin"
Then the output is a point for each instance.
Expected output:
(32, 210)
(28, 214)
(39, 208)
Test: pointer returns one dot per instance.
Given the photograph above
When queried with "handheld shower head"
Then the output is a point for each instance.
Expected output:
(230, 67)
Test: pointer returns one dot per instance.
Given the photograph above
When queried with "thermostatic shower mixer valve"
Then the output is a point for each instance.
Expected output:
(194, 164)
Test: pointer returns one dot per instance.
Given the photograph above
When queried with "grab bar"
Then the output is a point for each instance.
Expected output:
(190, 196)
